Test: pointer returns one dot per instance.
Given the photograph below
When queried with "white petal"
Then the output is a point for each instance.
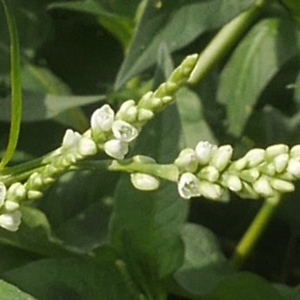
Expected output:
(282, 185)
(255, 157)
(87, 147)
(144, 182)
(16, 192)
(124, 131)
(280, 162)
(293, 167)
(70, 139)
(102, 119)
(188, 186)
(187, 160)
(11, 205)
(204, 152)
(262, 187)
(275, 150)
(222, 157)
(2, 193)
(116, 148)
(11, 221)
(210, 190)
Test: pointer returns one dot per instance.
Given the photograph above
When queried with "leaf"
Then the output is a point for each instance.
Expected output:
(244, 286)
(272, 42)
(16, 87)
(162, 21)
(38, 107)
(204, 264)
(120, 26)
(294, 7)
(9, 292)
(194, 125)
(289, 293)
(72, 279)
(78, 207)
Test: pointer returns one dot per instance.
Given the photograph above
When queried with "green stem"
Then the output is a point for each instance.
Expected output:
(223, 42)
(255, 231)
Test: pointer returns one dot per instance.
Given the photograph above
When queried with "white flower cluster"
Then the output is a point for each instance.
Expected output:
(10, 215)
(208, 170)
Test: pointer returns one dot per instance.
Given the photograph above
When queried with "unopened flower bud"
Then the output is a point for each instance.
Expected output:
(204, 152)
(2, 193)
(124, 131)
(293, 168)
(144, 182)
(249, 175)
(145, 115)
(102, 119)
(116, 148)
(187, 160)
(295, 151)
(222, 157)
(255, 157)
(11, 205)
(16, 192)
(11, 221)
(239, 164)
(188, 186)
(86, 147)
(70, 139)
(280, 162)
(143, 159)
(210, 190)
(34, 195)
(262, 187)
(275, 150)
(128, 111)
(233, 182)
(282, 186)
(209, 173)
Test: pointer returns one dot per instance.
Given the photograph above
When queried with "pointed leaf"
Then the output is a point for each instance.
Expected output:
(271, 42)
(9, 292)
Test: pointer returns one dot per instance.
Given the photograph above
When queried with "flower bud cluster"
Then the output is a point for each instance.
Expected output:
(207, 170)
(10, 214)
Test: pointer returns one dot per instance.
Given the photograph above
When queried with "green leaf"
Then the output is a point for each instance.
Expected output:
(35, 235)
(194, 125)
(38, 107)
(244, 286)
(16, 87)
(9, 292)
(164, 20)
(294, 7)
(289, 293)
(204, 264)
(271, 42)
(73, 279)
(120, 26)
(78, 207)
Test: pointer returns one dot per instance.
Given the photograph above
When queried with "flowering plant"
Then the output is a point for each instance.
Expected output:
(105, 215)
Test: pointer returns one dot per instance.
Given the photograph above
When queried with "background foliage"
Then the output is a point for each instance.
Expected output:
(93, 236)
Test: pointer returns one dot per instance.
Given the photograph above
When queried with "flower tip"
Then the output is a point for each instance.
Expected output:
(144, 182)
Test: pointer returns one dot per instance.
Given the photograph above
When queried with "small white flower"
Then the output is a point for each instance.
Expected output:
(2, 193)
(204, 152)
(187, 160)
(144, 182)
(70, 139)
(11, 221)
(188, 186)
(262, 187)
(255, 157)
(210, 190)
(222, 157)
(280, 162)
(86, 147)
(116, 148)
(102, 119)
(124, 131)
(293, 168)
(275, 150)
